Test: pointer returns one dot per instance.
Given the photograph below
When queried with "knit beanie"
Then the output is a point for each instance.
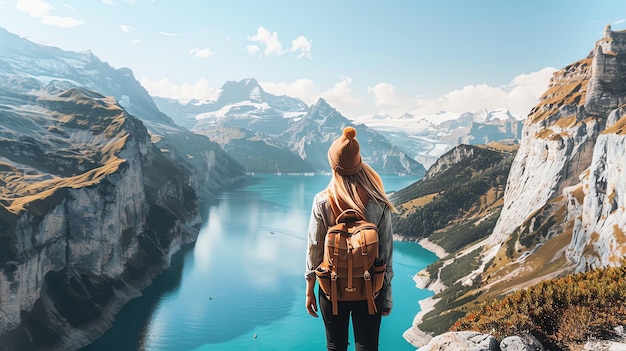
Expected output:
(344, 153)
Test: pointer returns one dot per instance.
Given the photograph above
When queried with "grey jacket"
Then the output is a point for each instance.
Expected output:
(321, 217)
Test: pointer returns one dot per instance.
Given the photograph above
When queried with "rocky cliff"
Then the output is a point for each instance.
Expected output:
(572, 154)
(563, 207)
(94, 198)
(25, 66)
(90, 211)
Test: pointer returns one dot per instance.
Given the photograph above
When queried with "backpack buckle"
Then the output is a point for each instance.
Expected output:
(367, 275)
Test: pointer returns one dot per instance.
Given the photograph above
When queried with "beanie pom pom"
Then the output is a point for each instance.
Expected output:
(349, 133)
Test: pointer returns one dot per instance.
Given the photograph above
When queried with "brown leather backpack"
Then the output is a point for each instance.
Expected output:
(351, 269)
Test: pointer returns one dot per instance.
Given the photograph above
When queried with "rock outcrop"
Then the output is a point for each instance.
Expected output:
(90, 212)
(563, 208)
(98, 188)
(573, 147)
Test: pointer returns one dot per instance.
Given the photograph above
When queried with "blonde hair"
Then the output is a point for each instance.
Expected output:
(345, 189)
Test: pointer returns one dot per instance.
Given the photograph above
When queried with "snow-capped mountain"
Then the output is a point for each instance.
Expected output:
(44, 64)
(426, 138)
(244, 101)
(269, 133)
(27, 66)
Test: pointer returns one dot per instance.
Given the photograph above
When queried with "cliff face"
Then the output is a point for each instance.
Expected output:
(90, 212)
(599, 238)
(572, 150)
(564, 207)
(96, 193)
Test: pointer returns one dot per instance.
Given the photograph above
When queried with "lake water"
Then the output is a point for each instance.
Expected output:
(244, 278)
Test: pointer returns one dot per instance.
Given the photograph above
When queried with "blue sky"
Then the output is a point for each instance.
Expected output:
(363, 57)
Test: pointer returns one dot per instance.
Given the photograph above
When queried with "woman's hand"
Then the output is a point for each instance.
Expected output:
(311, 303)
(386, 312)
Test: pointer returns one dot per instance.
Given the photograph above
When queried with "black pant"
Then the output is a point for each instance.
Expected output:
(366, 327)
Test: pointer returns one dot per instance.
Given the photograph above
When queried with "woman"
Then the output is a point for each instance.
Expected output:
(353, 185)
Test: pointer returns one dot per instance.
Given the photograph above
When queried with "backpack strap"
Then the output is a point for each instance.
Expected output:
(333, 277)
(338, 208)
(367, 276)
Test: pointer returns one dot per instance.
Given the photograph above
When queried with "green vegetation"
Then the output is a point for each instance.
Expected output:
(459, 191)
(443, 315)
(565, 311)
(460, 268)
(459, 235)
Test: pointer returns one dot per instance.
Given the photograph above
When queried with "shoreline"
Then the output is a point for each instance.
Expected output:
(423, 280)
(414, 335)
(434, 248)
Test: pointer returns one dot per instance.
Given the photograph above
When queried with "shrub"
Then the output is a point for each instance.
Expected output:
(567, 310)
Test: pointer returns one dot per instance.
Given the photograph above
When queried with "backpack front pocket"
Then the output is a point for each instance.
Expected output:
(323, 279)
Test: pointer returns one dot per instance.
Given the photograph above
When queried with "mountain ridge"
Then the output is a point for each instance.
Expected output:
(94, 199)
(281, 134)
(562, 209)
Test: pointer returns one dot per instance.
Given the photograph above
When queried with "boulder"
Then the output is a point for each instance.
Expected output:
(465, 340)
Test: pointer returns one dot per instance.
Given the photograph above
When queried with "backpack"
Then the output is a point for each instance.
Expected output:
(351, 269)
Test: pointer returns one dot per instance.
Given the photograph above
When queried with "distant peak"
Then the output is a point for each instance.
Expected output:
(321, 103)
(249, 82)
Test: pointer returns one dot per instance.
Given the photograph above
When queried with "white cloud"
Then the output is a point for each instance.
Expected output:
(384, 94)
(202, 53)
(301, 45)
(168, 34)
(109, 2)
(340, 96)
(273, 46)
(253, 49)
(520, 96)
(35, 8)
(126, 28)
(270, 40)
(619, 21)
(303, 89)
(62, 22)
(184, 92)
(136, 41)
(41, 9)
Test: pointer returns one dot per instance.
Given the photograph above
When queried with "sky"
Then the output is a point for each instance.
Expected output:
(363, 57)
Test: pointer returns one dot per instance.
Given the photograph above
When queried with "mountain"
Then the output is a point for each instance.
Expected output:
(26, 65)
(94, 199)
(22, 58)
(90, 213)
(459, 199)
(311, 136)
(241, 103)
(426, 138)
(269, 133)
(563, 206)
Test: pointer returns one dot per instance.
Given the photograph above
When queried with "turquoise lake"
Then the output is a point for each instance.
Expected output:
(244, 277)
